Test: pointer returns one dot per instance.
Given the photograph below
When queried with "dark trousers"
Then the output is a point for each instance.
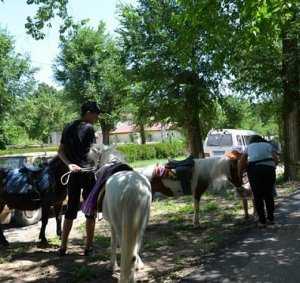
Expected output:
(78, 181)
(184, 174)
(262, 179)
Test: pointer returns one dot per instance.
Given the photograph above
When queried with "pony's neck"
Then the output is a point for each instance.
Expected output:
(147, 171)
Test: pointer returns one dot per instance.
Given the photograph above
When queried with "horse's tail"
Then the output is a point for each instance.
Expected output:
(135, 210)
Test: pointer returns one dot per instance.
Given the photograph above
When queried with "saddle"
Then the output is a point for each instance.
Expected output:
(95, 198)
(183, 171)
(174, 164)
(31, 169)
(32, 173)
(30, 180)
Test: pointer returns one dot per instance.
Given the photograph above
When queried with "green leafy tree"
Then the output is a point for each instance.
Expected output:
(177, 59)
(42, 112)
(15, 79)
(89, 68)
(264, 59)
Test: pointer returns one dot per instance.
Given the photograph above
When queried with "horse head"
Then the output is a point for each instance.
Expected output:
(157, 186)
(235, 172)
(101, 154)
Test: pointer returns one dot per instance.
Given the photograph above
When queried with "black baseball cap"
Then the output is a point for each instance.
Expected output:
(90, 106)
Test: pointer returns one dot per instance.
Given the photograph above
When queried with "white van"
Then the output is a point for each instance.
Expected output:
(219, 142)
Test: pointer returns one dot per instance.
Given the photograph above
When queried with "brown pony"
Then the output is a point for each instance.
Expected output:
(206, 172)
(46, 201)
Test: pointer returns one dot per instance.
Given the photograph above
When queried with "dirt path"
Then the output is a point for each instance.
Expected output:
(266, 255)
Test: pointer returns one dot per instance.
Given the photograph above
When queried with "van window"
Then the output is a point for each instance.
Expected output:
(219, 140)
(239, 140)
(247, 139)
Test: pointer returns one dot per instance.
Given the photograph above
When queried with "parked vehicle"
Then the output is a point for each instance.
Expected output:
(222, 141)
(27, 217)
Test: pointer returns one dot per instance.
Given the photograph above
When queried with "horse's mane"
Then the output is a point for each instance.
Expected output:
(101, 154)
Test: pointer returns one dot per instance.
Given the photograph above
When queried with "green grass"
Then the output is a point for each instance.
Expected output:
(280, 179)
(23, 150)
(7, 255)
(102, 240)
(55, 241)
(144, 163)
(27, 150)
(83, 274)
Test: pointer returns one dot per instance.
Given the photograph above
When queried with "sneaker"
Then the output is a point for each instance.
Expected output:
(270, 222)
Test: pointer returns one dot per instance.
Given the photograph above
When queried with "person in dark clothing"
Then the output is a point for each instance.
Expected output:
(77, 138)
(261, 163)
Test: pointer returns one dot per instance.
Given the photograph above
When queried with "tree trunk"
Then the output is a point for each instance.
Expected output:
(142, 133)
(291, 106)
(192, 108)
(195, 138)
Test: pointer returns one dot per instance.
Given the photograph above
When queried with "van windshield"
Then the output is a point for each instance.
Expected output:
(247, 139)
(219, 140)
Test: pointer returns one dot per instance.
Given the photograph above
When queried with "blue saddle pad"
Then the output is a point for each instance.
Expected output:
(17, 182)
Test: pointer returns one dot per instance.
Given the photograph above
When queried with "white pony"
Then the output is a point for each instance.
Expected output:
(126, 206)
(210, 172)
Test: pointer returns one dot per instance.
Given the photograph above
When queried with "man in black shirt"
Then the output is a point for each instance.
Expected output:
(77, 138)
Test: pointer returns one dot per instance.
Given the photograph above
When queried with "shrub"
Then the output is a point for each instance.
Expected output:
(134, 152)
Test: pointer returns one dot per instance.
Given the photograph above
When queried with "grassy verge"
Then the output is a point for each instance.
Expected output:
(144, 163)
(27, 150)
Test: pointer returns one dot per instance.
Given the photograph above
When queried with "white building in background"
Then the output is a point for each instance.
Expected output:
(54, 138)
(126, 132)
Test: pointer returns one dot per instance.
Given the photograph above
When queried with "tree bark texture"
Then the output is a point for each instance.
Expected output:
(291, 106)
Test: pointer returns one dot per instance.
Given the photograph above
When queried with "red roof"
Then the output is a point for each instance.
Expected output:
(125, 128)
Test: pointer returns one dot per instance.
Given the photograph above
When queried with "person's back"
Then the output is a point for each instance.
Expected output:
(261, 162)
(261, 153)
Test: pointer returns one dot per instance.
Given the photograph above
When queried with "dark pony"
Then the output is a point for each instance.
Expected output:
(51, 197)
